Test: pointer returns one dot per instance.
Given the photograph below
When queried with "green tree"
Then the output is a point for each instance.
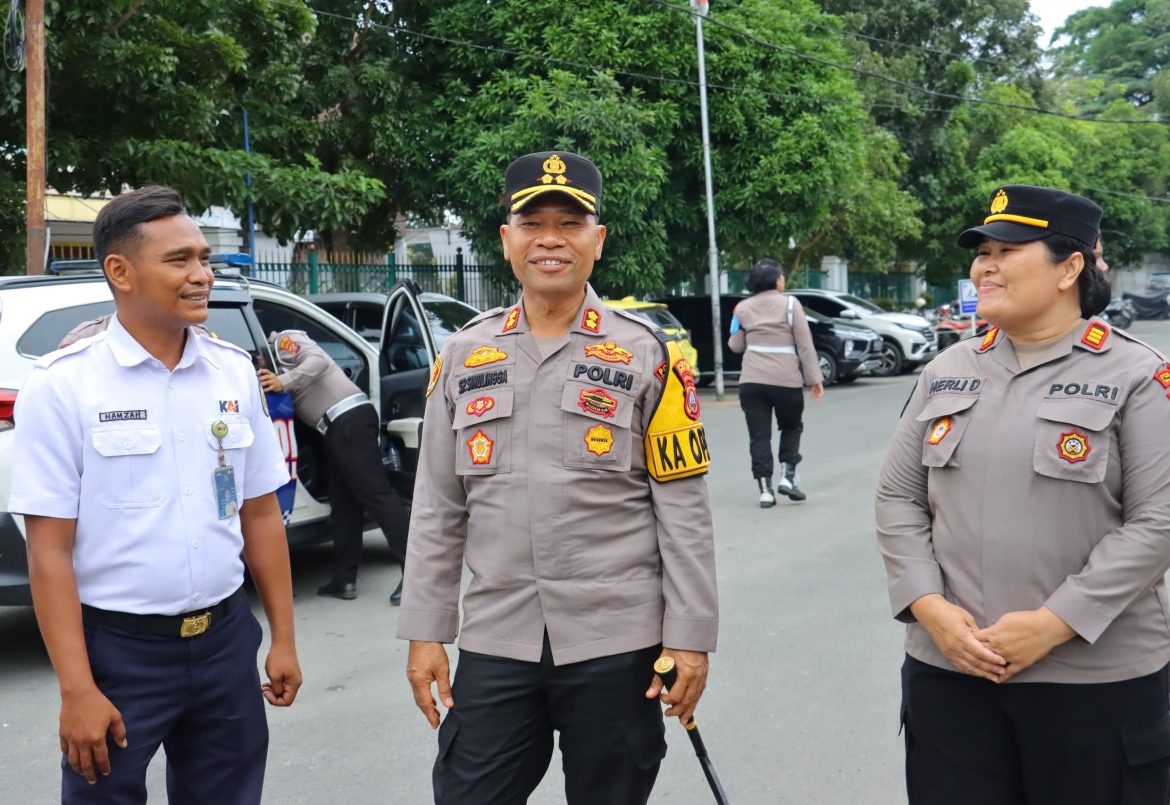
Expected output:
(142, 93)
(616, 82)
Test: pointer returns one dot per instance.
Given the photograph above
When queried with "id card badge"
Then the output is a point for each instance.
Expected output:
(224, 479)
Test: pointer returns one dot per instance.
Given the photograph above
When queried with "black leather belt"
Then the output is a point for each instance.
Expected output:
(188, 624)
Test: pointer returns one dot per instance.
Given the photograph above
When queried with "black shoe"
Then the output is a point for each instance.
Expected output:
(767, 499)
(795, 494)
(396, 596)
(347, 591)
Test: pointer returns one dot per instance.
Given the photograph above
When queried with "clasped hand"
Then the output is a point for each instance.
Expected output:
(1016, 641)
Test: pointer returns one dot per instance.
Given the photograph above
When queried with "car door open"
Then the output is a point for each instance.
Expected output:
(406, 356)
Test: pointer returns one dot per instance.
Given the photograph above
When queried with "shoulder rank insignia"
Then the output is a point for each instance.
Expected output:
(512, 320)
(1073, 446)
(675, 442)
(1095, 335)
(597, 401)
(599, 440)
(1163, 376)
(940, 430)
(591, 320)
(481, 405)
(610, 352)
(989, 339)
(480, 446)
(481, 356)
(438, 370)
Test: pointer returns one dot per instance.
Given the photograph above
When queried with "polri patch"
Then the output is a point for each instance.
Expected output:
(609, 352)
(286, 344)
(604, 374)
(1163, 376)
(122, 416)
(660, 372)
(1073, 446)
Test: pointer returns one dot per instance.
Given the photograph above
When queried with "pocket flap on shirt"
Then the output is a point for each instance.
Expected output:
(136, 441)
(945, 404)
(471, 409)
(1085, 413)
(1147, 744)
(239, 432)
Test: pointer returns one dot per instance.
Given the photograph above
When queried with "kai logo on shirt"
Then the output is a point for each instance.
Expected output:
(229, 406)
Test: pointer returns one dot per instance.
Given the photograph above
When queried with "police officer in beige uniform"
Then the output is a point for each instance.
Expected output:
(325, 399)
(779, 360)
(562, 458)
(1023, 513)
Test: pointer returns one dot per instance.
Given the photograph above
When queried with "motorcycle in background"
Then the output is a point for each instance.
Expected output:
(1121, 312)
(949, 328)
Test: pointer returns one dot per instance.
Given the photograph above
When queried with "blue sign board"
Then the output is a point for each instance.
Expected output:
(968, 297)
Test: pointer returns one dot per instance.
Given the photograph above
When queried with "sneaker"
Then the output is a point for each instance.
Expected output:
(346, 591)
(767, 499)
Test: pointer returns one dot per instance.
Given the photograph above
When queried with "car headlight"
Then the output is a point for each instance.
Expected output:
(855, 335)
(914, 328)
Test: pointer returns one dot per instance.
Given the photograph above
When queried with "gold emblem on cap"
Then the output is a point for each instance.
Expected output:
(554, 164)
(999, 203)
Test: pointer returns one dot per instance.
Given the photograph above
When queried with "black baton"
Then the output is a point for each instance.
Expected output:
(664, 667)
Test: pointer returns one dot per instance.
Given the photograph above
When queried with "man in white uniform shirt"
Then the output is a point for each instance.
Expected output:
(146, 471)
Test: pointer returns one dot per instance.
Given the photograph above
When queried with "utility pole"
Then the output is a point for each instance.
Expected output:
(35, 134)
(248, 184)
(701, 7)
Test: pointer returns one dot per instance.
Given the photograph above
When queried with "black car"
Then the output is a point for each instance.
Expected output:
(845, 349)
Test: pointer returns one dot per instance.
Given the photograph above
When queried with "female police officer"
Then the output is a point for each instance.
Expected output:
(1023, 513)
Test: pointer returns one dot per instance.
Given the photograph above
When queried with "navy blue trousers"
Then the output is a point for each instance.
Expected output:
(199, 698)
(972, 742)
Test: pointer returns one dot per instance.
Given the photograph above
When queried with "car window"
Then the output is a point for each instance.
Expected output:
(406, 349)
(658, 316)
(864, 304)
(446, 316)
(367, 319)
(275, 317)
(822, 304)
(230, 324)
(46, 332)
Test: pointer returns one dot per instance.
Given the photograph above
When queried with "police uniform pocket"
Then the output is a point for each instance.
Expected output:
(947, 417)
(596, 428)
(484, 429)
(1149, 743)
(1073, 440)
(126, 465)
(647, 741)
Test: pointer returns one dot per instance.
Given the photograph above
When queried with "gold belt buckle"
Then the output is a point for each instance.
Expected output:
(195, 625)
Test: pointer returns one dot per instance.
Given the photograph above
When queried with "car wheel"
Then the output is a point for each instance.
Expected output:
(847, 379)
(891, 360)
(828, 367)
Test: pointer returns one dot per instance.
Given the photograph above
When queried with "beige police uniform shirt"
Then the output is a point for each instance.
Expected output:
(307, 372)
(1007, 489)
(534, 469)
(775, 353)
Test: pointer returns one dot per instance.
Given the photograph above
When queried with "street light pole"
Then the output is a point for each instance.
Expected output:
(700, 7)
(248, 184)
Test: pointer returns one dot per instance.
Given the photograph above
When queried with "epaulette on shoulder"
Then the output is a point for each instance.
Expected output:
(628, 316)
(1154, 351)
(77, 347)
(219, 342)
(482, 317)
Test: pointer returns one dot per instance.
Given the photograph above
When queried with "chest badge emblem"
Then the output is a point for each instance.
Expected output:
(940, 430)
(1074, 446)
(597, 401)
(482, 356)
(480, 406)
(480, 447)
(599, 440)
(609, 352)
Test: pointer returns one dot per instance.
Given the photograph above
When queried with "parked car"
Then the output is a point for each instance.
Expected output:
(908, 341)
(846, 350)
(36, 312)
(660, 316)
(365, 311)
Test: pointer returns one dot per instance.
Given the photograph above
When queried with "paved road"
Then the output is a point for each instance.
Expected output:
(803, 701)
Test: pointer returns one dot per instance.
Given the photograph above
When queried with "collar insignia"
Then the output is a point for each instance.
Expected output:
(989, 339)
(481, 356)
(512, 320)
(609, 352)
(1094, 337)
(591, 320)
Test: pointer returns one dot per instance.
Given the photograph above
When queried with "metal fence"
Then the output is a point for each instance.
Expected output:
(470, 283)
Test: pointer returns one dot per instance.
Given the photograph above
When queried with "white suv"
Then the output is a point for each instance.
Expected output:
(36, 312)
(908, 341)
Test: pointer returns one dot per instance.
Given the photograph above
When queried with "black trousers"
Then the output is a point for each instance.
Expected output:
(357, 484)
(760, 402)
(199, 698)
(496, 743)
(972, 742)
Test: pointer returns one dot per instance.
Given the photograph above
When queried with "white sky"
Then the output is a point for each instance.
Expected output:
(1053, 13)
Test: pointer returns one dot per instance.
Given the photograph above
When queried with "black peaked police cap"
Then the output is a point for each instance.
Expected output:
(533, 175)
(1020, 213)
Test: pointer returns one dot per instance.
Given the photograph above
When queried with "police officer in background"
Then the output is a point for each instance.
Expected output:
(562, 458)
(779, 360)
(1024, 515)
(148, 467)
(325, 399)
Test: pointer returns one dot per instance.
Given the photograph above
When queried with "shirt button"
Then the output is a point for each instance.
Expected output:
(198, 596)
(127, 444)
(182, 436)
(194, 543)
(186, 490)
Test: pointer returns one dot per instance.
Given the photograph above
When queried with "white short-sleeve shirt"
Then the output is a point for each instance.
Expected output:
(106, 435)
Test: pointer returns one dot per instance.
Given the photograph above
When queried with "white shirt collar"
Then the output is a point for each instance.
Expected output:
(128, 352)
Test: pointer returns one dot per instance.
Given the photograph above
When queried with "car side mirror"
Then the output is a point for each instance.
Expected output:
(850, 313)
